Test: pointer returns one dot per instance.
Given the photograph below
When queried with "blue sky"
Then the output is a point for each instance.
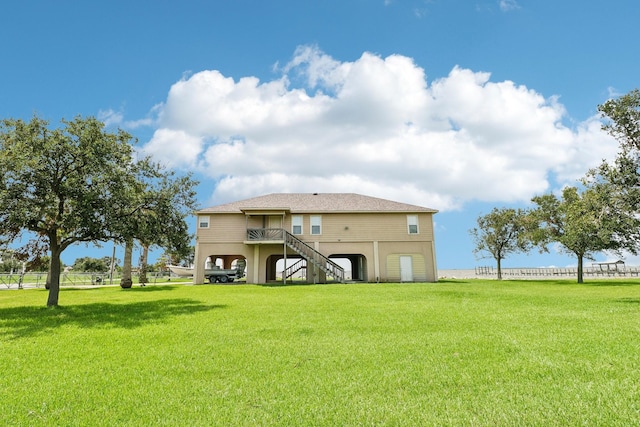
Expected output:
(456, 105)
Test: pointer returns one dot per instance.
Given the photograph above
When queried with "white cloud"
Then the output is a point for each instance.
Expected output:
(110, 117)
(175, 148)
(373, 126)
(507, 5)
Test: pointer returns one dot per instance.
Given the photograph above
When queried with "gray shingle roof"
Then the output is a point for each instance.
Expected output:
(316, 203)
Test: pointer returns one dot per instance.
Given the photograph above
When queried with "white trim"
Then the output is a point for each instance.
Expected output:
(204, 221)
(317, 223)
(412, 221)
(295, 224)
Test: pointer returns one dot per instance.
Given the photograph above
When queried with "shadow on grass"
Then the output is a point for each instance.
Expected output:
(569, 281)
(24, 322)
(151, 288)
(612, 282)
(629, 300)
(135, 288)
(558, 282)
(282, 285)
(457, 281)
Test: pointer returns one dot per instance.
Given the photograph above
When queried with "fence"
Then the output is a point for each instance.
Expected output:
(38, 280)
(592, 271)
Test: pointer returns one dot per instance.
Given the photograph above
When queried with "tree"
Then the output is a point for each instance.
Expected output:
(126, 280)
(8, 262)
(618, 181)
(603, 213)
(94, 265)
(39, 263)
(164, 201)
(500, 233)
(622, 120)
(81, 183)
(185, 258)
(583, 222)
(144, 256)
(63, 186)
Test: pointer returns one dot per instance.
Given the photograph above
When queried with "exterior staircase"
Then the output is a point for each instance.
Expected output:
(301, 264)
(313, 257)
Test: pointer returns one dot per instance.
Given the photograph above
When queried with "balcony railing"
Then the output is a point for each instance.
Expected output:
(258, 234)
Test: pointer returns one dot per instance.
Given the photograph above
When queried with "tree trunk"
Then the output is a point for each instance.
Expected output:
(143, 265)
(580, 272)
(125, 281)
(53, 276)
(499, 268)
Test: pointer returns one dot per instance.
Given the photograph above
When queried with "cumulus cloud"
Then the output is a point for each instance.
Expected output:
(175, 148)
(373, 126)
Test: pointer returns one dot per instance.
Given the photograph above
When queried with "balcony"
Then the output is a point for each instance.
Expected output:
(264, 235)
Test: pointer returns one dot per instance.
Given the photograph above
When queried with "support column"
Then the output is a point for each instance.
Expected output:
(255, 273)
(433, 260)
(376, 261)
(321, 276)
(198, 267)
(284, 270)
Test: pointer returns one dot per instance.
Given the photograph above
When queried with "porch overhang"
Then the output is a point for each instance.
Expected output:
(265, 211)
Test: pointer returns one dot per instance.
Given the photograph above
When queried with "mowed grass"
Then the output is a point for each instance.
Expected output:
(476, 353)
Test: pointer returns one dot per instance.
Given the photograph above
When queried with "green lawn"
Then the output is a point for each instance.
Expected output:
(474, 353)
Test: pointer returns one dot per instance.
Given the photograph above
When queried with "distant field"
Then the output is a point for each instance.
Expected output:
(458, 352)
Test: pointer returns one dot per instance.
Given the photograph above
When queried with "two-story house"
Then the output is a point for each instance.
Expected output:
(320, 235)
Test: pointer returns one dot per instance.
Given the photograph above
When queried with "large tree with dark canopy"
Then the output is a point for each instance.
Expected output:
(583, 221)
(621, 177)
(75, 184)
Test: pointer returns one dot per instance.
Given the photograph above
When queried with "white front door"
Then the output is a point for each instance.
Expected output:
(406, 269)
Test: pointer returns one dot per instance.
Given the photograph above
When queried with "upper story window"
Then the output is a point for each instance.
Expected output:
(296, 224)
(203, 221)
(412, 224)
(316, 224)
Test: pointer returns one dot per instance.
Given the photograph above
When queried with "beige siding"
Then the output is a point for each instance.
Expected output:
(224, 228)
(342, 233)
(346, 227)
(355, 248)
(367, 227)
(419, 267)
(422, 271)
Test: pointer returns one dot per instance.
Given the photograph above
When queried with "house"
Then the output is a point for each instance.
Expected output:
(330, 237)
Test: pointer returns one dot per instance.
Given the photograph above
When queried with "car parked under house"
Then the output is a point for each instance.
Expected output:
(318, 238)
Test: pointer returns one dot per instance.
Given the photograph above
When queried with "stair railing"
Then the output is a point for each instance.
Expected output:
(316, 258)
(307, 252)
(295, 267)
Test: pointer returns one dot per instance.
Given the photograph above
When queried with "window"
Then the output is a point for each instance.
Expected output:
(296, 224)
(412, 224)
(203, 221)
(316, 224)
